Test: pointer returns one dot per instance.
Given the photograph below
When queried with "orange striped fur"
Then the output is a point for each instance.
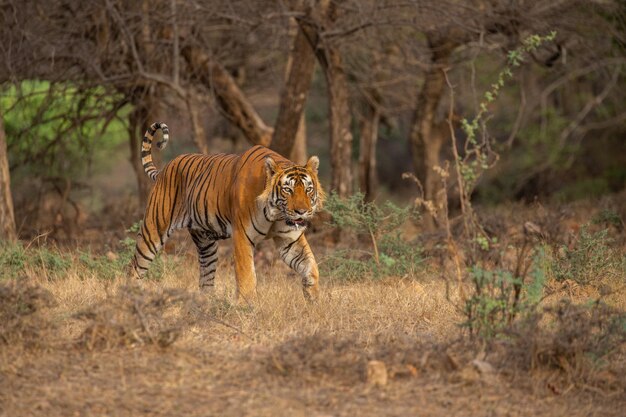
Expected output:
(250, 197)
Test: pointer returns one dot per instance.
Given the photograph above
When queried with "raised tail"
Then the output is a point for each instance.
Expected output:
(146, 148)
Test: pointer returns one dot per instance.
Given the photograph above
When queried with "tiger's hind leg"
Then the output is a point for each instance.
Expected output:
(149, 243)
(207, 258)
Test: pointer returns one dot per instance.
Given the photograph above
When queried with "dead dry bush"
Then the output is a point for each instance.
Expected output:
(318, 356)
(23, 314)
(344, 359)
(585, 344)
(135, 317)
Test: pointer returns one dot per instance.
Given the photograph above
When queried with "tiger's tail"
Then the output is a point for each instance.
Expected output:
(146, 148)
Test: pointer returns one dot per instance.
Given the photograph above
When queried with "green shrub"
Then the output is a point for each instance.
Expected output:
(607, 218)
(499, 297)
(52, 262)
(107, 268)
(589, 260)
(15, 259)
(389, 255)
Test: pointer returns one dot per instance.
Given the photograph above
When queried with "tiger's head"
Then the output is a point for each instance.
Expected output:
(293, 193)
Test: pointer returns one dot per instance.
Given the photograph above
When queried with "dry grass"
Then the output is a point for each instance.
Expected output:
(111, 347)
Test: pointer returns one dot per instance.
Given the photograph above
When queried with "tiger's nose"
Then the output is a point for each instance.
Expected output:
(300, 211)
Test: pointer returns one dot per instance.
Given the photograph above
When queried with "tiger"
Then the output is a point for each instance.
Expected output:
(250, 197)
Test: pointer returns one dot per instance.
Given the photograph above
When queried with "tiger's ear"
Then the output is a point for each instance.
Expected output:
(271, 167)
(313, 164)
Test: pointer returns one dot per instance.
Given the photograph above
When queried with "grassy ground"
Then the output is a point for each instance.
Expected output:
(80, 342)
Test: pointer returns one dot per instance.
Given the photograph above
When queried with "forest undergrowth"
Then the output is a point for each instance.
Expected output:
(537, 324)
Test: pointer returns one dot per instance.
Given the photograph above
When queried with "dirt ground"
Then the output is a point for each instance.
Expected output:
(107, 348)
(82, 345)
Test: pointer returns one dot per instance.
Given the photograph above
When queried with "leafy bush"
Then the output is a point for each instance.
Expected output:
(389, 254)
(108, 267)
(12, 260)
(15, 259)
(52, 262)
(607, 218)
(590, 259)
(42, 136)
(499, 296)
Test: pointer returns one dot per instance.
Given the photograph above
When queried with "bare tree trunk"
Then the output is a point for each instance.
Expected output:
(299, 153)
(425, 143)
(138, 122)
(289, 130)
(199, 134)
(338, 100)
(7, 218)
(232, 100)
(368, 179)
(340, 120)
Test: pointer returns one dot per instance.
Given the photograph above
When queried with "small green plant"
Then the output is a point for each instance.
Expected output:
(15, 259)
(52, 262)
(389, 254)
(478, 158)
(608, 218)
(590, 259)
(111, 265)
(499, 296)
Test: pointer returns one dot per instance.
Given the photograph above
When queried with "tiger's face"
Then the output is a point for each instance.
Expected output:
(295, 194)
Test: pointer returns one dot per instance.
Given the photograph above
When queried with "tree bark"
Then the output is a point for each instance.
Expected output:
(338, 100)
(199, 133)
(289, 130)
(139, 120)
(7, 218)
(425, 142)
(299, 153)
(230, 97)
(368, 178)
(340, 120)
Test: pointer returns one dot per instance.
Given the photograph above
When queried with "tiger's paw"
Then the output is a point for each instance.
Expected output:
(311, 293)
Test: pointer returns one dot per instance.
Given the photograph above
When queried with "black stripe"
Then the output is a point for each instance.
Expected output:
(304, 258)
(256, 228)
(249, 240)
(254, 225)
(209, 255)
(288, 247)
(295, 259)
(208, 264)
(220, 162)
(149, 244)
(252, 152)
(138, 250)
(221, 220)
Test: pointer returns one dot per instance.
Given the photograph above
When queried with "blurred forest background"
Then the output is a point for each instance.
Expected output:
(472, 250)
(375, 88)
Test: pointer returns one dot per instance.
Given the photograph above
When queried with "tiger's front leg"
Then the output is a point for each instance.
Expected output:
(244, 267)
(298, 255)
